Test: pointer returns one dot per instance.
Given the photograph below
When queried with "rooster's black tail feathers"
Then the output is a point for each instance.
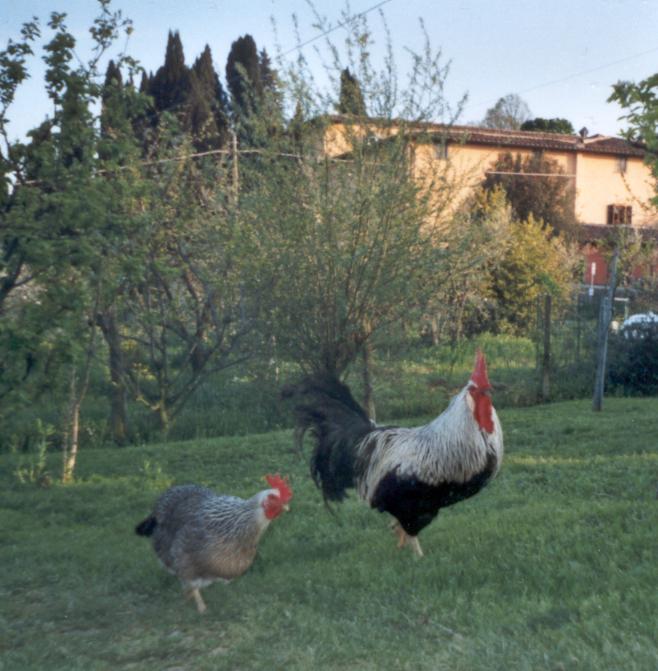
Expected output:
(325, 407)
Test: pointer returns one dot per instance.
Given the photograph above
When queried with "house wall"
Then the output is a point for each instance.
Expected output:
(600, 183)
(466, 165)
(599, 180)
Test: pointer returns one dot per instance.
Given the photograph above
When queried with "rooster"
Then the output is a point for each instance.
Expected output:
(410, 473)
(200, 536)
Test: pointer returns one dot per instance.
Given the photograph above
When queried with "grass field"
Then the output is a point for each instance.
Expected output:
(554, 566)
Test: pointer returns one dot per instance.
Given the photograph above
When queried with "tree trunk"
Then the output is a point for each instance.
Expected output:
(71, 430)
(118, 394)
(163, 418)
(77, 393)
(368, 397)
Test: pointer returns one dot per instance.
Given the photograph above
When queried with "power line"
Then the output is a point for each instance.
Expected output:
(579, 74)
(530, 174)
(342, 24)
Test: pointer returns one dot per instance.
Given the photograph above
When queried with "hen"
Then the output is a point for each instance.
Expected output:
(201, 537)
(410, 473)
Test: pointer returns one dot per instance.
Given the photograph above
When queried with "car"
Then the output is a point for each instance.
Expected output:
(639, 326)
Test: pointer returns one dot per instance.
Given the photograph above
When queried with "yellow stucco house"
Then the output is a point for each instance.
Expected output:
(612, 184)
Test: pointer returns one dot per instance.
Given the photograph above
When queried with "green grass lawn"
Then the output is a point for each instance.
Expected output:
(554, 566)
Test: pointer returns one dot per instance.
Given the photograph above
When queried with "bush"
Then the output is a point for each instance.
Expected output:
(634, 363)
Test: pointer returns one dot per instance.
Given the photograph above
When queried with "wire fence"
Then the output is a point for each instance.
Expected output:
(567, 342)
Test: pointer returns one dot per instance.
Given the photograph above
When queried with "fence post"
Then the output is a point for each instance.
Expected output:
(605, 315)
(235, 181)
(546, 358)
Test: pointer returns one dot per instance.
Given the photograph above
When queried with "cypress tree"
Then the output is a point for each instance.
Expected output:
(210, 88)
(243, 75)
(268, 75)
(145, 83)
(170, 85)
(113, 76)
(111, 98)
(200, 121)
(296, 127)
(351, 98)
(145, 119)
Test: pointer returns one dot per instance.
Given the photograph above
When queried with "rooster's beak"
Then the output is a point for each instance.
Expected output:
(286, 508)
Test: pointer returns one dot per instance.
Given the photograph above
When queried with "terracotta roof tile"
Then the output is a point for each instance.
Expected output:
(517, 139)
(513, 139)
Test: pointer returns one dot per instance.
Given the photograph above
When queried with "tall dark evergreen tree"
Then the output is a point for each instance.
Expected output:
(113, 110)
(243, 75)
(272, 98)
(209, 87)
(200, 121)
(170, 86)
(268, 75)
(113, 76)
(75, 122)
(145, 120)
(296, 128)
(351, 97)
(145, 83)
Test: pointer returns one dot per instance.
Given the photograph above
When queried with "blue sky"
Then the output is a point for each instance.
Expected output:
(560, 56)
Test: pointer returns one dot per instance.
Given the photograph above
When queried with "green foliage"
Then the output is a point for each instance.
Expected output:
(243, 74)
(348, 258)
(351, 98)
(549, 199)
(633, 363)
(640, 102)
(555, 125)
(32, 468)
(208, 105)
(480, 234)
(365, 245)
(545, 569)
(170, 85)
(534, 264)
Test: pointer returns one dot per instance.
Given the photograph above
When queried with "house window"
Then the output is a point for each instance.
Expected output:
(622, 164)
(441, 151)
(620, 215)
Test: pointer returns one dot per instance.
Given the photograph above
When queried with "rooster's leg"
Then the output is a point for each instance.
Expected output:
(403, 538)
(415, 546)
(198, 599)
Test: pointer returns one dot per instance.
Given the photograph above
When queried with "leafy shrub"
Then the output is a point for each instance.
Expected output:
(634, 363)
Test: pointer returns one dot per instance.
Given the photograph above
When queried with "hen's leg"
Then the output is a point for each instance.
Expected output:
(198, 599)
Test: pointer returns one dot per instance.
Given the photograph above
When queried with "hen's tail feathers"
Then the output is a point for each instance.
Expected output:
(146, 527)
(325, 407)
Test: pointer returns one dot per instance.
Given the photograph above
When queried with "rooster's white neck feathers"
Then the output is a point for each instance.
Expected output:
(451, 448)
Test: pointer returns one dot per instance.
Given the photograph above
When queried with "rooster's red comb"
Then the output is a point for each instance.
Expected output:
(282, 484)
(480, 372)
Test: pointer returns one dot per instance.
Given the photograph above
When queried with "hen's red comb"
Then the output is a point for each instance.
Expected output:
(277, 482)
(480, 372)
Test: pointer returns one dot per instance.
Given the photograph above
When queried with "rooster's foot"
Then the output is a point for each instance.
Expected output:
(405, 539)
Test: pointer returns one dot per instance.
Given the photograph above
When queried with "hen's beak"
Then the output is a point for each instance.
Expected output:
(286, 508)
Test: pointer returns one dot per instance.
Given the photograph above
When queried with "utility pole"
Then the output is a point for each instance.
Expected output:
(605, 315)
